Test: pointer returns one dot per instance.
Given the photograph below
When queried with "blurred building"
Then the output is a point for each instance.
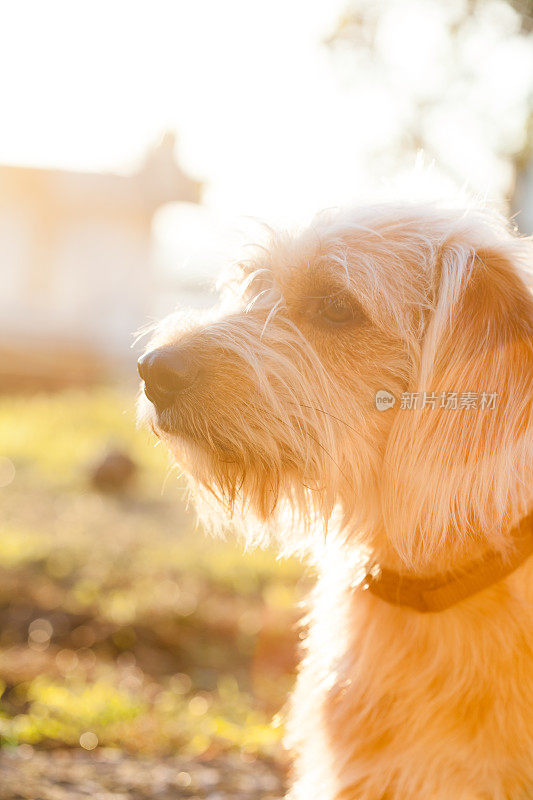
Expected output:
(75, 261)
(522, 196)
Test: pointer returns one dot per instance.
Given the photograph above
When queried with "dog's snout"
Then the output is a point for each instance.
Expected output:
(166, 372)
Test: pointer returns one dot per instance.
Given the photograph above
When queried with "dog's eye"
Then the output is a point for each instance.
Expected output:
(337, 310)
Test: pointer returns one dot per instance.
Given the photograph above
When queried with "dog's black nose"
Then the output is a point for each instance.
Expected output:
(166, 372)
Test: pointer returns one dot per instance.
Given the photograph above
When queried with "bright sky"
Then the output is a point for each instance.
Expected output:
(263, 112)
(91, 85)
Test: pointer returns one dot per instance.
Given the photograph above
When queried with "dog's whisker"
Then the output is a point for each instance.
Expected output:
(171, 468)
(329, 414)
(274, 310)
(321, 446)
(370, 444)
(332, 459)
(255, 300)
(145, 330)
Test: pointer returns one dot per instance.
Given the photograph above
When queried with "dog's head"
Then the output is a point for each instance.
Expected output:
(282, 401)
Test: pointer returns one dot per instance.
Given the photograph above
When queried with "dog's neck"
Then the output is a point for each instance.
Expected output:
(441, 590)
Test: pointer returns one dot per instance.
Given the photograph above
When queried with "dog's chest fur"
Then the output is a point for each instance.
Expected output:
(391, 704)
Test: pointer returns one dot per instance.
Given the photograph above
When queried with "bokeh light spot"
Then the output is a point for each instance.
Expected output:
(7, 471)
(89, 740)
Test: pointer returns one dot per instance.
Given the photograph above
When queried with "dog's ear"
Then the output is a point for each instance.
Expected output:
(457, 469)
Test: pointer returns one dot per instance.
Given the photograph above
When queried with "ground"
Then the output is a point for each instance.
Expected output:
(130, 644)
(111, 775)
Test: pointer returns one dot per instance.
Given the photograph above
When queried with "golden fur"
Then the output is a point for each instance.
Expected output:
(280, 435)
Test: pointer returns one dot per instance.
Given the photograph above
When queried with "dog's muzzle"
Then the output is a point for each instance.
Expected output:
(166, 372)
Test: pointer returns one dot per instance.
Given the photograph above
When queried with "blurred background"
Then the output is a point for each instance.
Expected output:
(139, 145)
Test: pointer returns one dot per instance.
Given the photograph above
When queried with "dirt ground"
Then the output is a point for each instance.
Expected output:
(28, 774)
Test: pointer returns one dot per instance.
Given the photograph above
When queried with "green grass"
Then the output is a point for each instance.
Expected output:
(118, 617)
(56, 437)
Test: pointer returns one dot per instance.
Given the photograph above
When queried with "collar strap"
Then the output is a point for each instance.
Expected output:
(445, 589)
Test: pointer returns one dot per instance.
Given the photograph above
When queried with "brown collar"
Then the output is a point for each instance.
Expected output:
(445, 589)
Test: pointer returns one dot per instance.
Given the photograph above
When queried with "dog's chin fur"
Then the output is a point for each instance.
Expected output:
(281, 438)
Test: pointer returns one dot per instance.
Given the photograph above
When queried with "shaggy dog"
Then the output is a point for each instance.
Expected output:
(365, 398)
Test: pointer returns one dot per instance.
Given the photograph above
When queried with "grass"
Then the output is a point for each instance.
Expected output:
(121, 624)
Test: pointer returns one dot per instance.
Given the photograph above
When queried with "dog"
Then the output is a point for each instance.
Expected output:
(363, 397)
